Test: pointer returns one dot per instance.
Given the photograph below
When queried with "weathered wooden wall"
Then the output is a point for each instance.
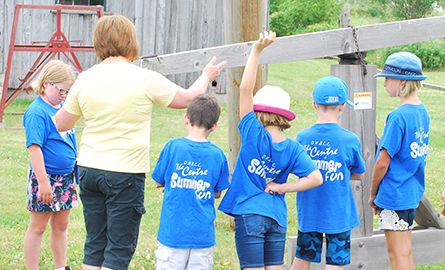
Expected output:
(163, 27)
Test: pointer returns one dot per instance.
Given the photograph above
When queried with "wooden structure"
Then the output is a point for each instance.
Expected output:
(368, 246)
(163, 27)
(58, 44)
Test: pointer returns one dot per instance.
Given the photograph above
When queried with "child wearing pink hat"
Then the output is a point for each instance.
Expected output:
(398, 180)
(265, 156)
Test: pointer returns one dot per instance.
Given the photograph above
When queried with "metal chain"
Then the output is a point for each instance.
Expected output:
(358, 53)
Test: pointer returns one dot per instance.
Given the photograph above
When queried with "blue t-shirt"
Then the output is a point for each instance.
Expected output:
(330, 208)
(59, 148)
(259, 162)
(405, 137)
(192, 172)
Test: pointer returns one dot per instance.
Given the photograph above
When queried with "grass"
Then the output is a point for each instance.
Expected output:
(297, 78)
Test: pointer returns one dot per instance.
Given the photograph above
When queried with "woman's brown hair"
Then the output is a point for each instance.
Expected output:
(115, 35)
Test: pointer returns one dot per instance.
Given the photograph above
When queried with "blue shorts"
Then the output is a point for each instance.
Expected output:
(260, 241)
(113, 205)
(338, 247)
(396, 220)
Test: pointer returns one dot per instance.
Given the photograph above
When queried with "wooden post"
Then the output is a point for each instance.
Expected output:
(362, 123)
(243, 21)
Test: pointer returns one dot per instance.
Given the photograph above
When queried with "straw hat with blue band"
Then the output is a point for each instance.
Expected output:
(331, 91)
(402, 66)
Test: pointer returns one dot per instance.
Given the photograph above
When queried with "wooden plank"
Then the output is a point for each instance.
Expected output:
(160, 27)
(371, 253)
(427, 216)
(147, 38)
(306, 46)
(433, 86)
(2, 39)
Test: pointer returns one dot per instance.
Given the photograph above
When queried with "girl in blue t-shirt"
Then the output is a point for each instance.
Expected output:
(398, 179)
(51, 189)
(265, 156)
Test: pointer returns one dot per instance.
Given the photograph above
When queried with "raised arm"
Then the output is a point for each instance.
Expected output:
(250, 72)
(209, 73)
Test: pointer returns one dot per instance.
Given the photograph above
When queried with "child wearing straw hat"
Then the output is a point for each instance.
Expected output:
(265, 156)
(398, 180)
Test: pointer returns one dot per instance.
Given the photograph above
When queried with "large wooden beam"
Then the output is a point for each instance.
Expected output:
(305, 46)
(362, 123)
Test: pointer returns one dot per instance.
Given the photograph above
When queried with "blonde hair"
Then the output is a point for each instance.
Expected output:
(410, 87)
(115, 35)
(54, 71)
(272, 119)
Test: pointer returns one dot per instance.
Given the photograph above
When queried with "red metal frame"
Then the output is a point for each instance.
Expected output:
(58, 44)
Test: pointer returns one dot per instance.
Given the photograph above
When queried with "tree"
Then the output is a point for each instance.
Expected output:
(295, 16)
(410, 9)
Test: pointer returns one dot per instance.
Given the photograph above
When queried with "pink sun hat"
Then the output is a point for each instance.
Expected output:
(273, 99)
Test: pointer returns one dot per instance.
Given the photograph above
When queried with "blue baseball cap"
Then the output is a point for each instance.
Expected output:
(402, 66)
(331, 91)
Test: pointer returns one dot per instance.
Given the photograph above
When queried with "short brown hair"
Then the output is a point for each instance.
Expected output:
(273, 119)
(204, 111)
(327, 108)
(115, 35)
(54, 71)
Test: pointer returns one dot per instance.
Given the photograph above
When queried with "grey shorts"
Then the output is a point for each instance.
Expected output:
(180, 258)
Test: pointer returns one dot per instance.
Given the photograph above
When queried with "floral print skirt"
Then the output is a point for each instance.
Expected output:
(63, 189)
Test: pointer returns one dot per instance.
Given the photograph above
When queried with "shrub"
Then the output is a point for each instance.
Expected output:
(295, 15)
(431, 53)
(409, 9)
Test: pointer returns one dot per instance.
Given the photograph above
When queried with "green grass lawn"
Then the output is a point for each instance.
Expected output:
(297, 78)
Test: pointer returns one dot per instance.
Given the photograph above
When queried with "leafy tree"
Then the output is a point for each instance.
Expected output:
(410, 9)
(274, 5)
(295, 15)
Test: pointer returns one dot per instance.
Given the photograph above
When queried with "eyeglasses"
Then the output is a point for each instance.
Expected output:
(61, 90)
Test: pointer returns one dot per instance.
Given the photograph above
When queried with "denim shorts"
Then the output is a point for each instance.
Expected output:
(396, 220)
(338, 247)
(113, 205)
(260, 241)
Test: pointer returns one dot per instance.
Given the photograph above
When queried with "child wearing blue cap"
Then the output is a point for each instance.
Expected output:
(330, 208)
(265, 156)
(398, 179)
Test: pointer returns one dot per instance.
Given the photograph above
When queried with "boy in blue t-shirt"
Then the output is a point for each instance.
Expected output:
(330, 208)
(193, 172)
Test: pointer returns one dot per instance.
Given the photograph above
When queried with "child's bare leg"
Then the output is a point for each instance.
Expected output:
(59, 223)
(89, 267)
(300, 264)
(333, 267)
(274, 267)
(399, 249)
(33, 238)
